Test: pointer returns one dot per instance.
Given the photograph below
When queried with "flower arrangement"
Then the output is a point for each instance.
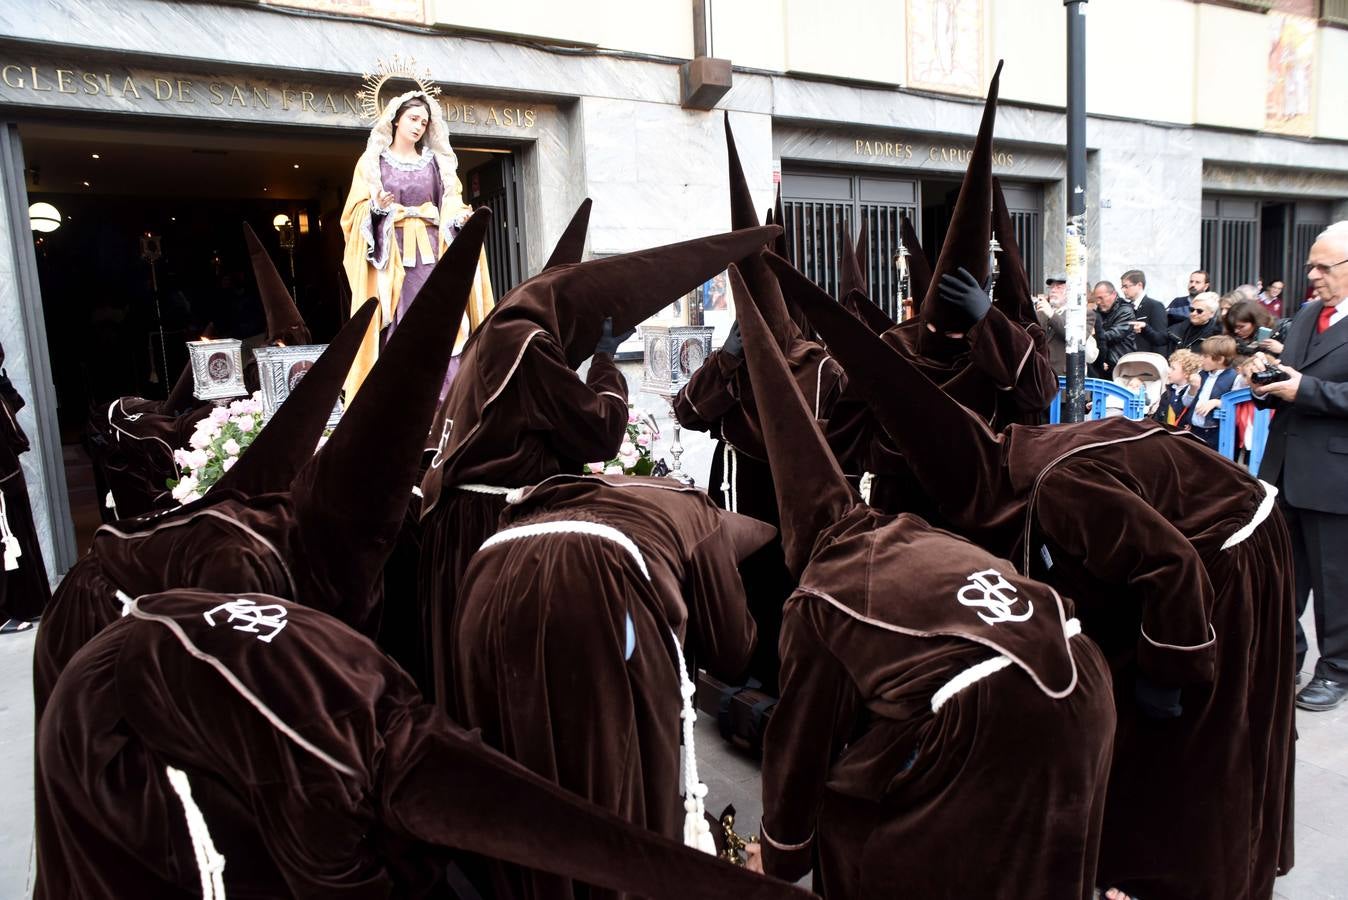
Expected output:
(634, 453)
(216, 445)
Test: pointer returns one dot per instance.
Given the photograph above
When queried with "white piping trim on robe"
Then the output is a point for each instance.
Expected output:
(819, 385)
(976, 673)
(1260, 514)
(696, 832)
(210, 862)
(763, 833)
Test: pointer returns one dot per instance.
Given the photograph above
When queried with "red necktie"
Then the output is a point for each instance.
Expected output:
(1326, 313)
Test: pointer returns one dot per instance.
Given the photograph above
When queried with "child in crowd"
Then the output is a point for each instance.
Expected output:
(1217, 377)
(1173, 409)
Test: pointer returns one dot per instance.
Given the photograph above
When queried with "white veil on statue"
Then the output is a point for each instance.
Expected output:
(436, 143)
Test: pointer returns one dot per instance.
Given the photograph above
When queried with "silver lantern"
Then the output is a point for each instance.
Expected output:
(217, 368)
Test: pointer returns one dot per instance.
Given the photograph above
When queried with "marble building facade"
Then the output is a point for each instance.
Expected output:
(583, 124)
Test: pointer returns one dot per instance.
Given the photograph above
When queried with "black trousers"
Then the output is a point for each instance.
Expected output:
(1320, 554)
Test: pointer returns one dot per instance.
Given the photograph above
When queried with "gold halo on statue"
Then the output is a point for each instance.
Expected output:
(389, 70)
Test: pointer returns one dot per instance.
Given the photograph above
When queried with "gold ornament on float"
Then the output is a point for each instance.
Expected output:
(389, 70)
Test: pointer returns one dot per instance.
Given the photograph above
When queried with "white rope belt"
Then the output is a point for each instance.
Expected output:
(1260, 514)
(976, 673)
(696, 832)
(12, 549)
(210, 862)
(510, 494)
(729, 471)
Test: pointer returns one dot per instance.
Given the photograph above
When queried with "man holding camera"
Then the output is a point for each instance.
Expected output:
(1307, 458)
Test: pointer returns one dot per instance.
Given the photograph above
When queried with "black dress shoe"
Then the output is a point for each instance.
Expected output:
(1322, 695)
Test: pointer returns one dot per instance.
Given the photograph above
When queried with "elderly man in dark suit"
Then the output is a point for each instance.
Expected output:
(1307, 457)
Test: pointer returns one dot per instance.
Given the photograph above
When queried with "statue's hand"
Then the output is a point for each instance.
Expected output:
(384, 199)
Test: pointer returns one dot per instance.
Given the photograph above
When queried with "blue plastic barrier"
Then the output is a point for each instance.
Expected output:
(1099, 391)
(1135, 408)
(1226, 435)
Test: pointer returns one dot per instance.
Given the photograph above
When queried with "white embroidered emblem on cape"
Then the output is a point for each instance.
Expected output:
(989, 590)
(254, 617)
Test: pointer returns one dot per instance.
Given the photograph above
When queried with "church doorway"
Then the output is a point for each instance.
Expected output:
(150, 250)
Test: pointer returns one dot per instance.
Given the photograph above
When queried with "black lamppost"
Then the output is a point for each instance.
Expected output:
(1074, 406)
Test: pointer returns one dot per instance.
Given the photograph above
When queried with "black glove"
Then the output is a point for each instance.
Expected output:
(962, 291)
(734, 344)
(608, 342)
(1157, 702)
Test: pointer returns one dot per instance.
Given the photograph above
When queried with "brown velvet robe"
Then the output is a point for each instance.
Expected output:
(220, 543)
(999, 793)
(1004, 378)
(132, 444)
(24, 591)
(718, 399)
(515, 414)
(1136, 522)
(223, 542)
(540, 644)
(316, 767)
(1180, 565)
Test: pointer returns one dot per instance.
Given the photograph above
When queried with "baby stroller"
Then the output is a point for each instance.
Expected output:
(1139, 370)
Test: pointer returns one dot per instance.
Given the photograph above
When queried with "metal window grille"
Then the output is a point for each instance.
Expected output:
(1334, 12)
(812, 230)
(817, 205)
(497, 183)
(1295, 282)
(1230, 250)
(1030, 240)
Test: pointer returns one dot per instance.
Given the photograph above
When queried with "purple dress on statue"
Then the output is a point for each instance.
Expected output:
(411, 185)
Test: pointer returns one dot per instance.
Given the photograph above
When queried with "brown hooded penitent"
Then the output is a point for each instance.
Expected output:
(285, 325)
(564, 639)
(1186, 585)
(294, 759)
(24, 592)
(314, 528)
(881, 653)
(720, 398)
(517, 413)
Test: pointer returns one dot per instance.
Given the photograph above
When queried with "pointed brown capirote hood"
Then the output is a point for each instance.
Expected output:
(742, 211)
(571, 302)
(812, 492)
(284, 322)
(862, 255)
(571, 245)
(966, 241)
(859, 305)
(951, 451)
(851, 277)
(363, 477)
(287, 442)
(780, 247)
(1012, 294)
(180, 399)
(919, 267)
(752, 267)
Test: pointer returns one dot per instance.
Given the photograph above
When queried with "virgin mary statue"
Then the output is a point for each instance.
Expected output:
(405, 206)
